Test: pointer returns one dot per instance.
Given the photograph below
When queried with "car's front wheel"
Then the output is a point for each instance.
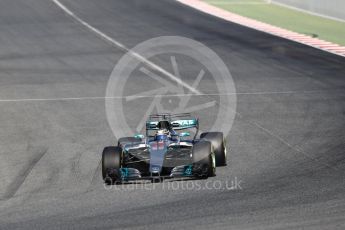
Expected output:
(204, 163)
(219, 146)
(111, 164)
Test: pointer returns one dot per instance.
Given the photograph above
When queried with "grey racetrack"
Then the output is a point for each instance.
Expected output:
(287, 142)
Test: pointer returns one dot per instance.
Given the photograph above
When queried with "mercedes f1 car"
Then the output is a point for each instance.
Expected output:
(166, 151)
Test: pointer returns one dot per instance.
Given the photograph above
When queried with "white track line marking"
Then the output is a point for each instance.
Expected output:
(138, 96)
(239, 3)
(124, 48)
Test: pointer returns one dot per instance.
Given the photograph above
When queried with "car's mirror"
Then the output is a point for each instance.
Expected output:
(139, 136)
(185, 134)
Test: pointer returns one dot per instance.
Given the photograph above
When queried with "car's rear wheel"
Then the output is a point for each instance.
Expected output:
(204, 164)
(219, 146)
(111, 164)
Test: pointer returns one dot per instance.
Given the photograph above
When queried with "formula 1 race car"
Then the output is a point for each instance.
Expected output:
(166, 151)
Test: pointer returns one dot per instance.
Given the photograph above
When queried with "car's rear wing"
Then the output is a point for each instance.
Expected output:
(186, 121)
(168, 116)
(185, 124)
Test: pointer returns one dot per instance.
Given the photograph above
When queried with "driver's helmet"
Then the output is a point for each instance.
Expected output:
(161, 135)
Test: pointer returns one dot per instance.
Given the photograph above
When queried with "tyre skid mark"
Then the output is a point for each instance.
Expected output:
(22, 175)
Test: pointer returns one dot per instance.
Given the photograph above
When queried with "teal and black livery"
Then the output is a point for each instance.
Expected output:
(168, 150)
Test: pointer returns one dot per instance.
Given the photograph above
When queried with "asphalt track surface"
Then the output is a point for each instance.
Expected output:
(287, 141)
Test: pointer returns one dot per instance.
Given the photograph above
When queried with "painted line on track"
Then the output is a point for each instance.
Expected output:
(124, 48)
(131, 97)
(264, 27)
